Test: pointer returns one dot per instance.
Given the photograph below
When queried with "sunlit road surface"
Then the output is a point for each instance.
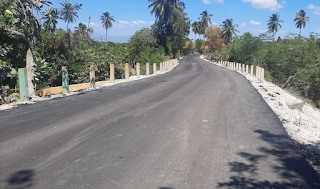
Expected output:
(199, 126)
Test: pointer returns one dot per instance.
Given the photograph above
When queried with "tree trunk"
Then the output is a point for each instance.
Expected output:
(30, 72)
(106, 36)
(300, 34)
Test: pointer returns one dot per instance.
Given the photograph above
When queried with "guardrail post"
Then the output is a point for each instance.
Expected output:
(161, 66)
(147, 69)
(92, 77)
(257, 72)
(23, 84)
(65, 80)
(138, 70)
(154, 68)
(112, 73)
(251, 70)
(262, 74)
(126, 71)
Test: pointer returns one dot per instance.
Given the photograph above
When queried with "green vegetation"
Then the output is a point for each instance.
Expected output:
(293, 63)
(44, 49)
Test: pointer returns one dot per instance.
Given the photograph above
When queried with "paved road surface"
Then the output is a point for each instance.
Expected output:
(199, 126)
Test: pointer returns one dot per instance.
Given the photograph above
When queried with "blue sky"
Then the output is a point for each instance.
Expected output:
(250, 15)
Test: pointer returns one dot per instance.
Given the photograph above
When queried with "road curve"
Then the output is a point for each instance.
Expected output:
(199, 126)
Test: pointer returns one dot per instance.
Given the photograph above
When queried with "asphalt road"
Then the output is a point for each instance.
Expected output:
(199, 126)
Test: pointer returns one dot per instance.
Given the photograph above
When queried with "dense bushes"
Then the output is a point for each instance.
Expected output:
(295, 57)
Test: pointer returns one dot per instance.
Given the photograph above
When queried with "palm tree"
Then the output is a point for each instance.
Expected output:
(69, 12)
(205, 19)
(301, 20)
(107, 20)
(50, 20)
(274, 24)
(166, 11)
(196, 29)
(228, 30)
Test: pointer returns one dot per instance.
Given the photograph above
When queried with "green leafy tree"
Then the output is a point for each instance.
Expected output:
(107, 20)
(140, 41)
(228, 30)
(50, 20)
(301, 20)
(274, 24)
(170, 16)
(69, 12)
(22, 21)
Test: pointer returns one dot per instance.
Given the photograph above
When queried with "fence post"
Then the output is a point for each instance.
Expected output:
(65, 80)
(147, 69)
(126, 71)
(23, 84)
(258, 72)
(138, 70)
(154, 68)
(112, 73)
(161, 66)
(247, 68)
(251, 70)
(262, 74)
(92, 77)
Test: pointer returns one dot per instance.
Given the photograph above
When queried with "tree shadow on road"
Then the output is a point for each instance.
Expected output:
(23, 179)
(291, 169)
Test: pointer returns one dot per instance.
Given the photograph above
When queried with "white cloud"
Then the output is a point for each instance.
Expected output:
(242, 25)
(209, 1)
(315, 9)
(254, 22)
(124, 22)
(138, 22)
(260, 31)
(264, 4)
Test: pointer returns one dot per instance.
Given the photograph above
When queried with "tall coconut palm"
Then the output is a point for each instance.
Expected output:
(107, 20)
(205, 19)
(69, 12)
(228, 30)
(196, 29)
(301, 20)
(50, 20)
(274, 24)
(166, 11)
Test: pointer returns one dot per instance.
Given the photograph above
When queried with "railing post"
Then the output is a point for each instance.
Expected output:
(138, 70)
(126, 71)
(147, 69)
(154, 68)
(65, 80)
(262, 74)
(92, 77)
(161, 66)
(23, 84)
(257, 72)
(251, 70)
(112, 73)
(247, 68)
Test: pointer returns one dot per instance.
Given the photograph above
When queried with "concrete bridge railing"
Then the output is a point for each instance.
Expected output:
(255, 71)
(66, 88)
